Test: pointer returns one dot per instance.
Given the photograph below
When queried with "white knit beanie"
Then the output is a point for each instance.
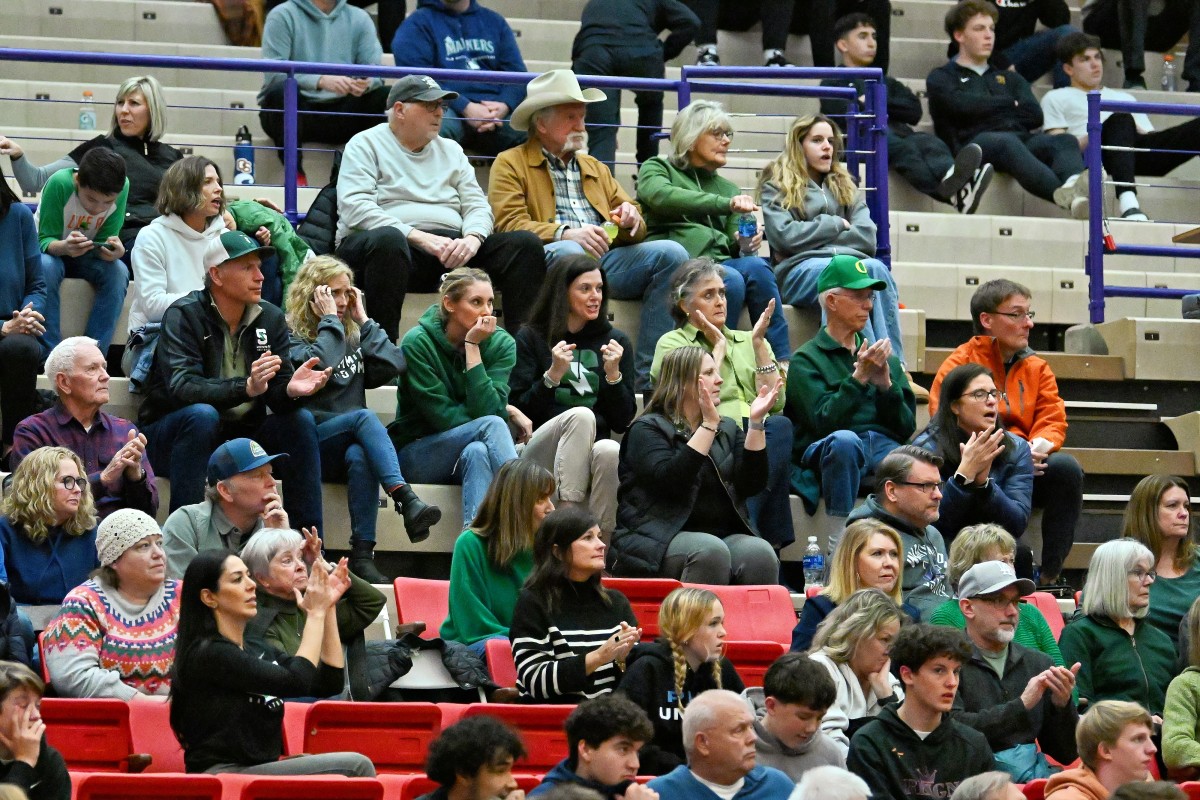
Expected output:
(120, 531)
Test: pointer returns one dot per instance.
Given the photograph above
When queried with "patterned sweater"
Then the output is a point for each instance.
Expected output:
(101, 645)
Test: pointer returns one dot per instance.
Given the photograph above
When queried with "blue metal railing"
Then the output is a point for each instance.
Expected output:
(1096, 246)
(866, 135)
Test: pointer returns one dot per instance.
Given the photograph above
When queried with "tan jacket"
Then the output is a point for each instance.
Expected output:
(521, 192)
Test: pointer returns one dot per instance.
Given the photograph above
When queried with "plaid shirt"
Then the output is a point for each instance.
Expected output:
(571, 208)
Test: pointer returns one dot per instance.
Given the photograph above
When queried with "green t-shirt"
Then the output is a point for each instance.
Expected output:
(1032, 629)
(1170, 599)
(482, 598)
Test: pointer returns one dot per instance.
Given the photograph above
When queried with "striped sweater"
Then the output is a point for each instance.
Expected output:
(101, 645)
(549, 648)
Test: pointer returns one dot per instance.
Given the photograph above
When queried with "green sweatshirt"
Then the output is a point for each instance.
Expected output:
(1181, 721)
(438, 392)
(689, 206)
(60, 212)
(482, 597)
(357, 609)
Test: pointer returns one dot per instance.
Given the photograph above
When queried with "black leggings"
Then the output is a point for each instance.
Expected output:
(776, 16)
(1120, 131)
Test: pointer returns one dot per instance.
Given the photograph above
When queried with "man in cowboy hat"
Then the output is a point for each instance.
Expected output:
(410, 210)
(550, 188)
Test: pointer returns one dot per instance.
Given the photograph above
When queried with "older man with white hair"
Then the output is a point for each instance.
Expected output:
(718, 738)
(111, 448)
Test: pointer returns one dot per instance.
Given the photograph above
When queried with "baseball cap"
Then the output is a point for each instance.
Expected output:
(235, 457)
(847, 272)
(989, 577)
(231, 245)
(417, 87)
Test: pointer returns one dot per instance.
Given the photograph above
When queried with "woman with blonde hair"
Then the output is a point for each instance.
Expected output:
(1122, 656)
(1159, 516)
(870, 555)
(854, 645)
(812, 211)
(989, 542)
(48, 527)
(328, 318)
(494, 555)
(687, 659)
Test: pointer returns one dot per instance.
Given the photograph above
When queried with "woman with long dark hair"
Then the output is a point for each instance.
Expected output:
(22, 301)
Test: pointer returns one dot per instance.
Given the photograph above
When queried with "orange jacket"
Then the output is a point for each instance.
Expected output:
(1031, 406)
(1076, 784)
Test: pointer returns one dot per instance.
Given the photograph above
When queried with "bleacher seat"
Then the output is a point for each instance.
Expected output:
(93, 735)
(410, 787)
(421, 600)
(645, 596)
(501, 666)
(150, 727)
(1048, 605)
(541, 728)
(1191, 789)
(757, 613)
(395, 736)
(306, 787)
(101, 786)
(752, 659)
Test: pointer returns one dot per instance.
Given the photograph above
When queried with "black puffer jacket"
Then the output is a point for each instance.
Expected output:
(319, 227)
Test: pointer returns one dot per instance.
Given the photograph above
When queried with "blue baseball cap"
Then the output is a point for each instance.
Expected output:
(235, 457)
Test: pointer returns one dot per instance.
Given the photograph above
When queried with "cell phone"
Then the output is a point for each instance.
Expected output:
(109, 247)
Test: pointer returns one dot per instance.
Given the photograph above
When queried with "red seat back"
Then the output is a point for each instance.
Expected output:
(757, 613)
(150, 727)
(752, 659)
(310, 787)
(1035, 789)
(156, 787)
(541, 729)
(395, 736)
(645, 595)
(500, 664)
(1191, 789)
(404, 787)
(92, 735)
(420, 600)
(1048, 605)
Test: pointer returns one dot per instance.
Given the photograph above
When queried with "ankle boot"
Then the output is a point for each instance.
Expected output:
(362, 563)
(418, 515)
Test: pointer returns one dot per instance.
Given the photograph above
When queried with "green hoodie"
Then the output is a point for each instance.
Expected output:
(438, 392)
(689, 206)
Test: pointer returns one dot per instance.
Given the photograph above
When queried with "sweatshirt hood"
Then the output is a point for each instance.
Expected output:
(563, 774)
(431, 323)
(438, 6)
(1081, 779)
(175, 223)
(901, 732)
(313, 12)
(756, 699)
(872, 508)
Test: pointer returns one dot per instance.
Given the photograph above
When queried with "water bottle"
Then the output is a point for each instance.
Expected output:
(87, 112)
(1168, 76)
(814, 564)
(747, 228)
(243, 157)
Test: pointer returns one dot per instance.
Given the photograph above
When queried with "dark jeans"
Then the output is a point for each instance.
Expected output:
(1059, 492)
(20, 357)
(776, 16)
(181, 443)
(603, 118)
(1127, 25)
(1119, 131)
(492, 143)
(327, 128)
(386, 268)
(771, 509)
(823, 13)
(1034, 55)
(1041, 162)
(922, 158)
(356, 450)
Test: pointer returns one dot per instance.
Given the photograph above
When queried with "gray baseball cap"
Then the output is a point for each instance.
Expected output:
(417, 87)
(989, 577)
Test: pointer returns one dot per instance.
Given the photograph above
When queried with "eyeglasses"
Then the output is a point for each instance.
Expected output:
(926, 488)
(860, 296)
(722, 133)
(982, 394)
(432, 106)
(1143, 575)
(1017, 315)
(69, 482)
(1000, 601)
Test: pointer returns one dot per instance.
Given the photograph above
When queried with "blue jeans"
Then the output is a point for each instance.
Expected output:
(637, 272)
(180, 444)
(1034, 55)
(355, 448)
(800, 289)
(110, 279)
(771, 509)
(760, 288)
(469, 455)
(843, 459)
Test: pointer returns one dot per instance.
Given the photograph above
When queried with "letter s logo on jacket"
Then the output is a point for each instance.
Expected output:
(262, 343)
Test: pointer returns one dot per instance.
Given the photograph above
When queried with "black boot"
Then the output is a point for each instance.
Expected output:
(418, 515)
(362, 563)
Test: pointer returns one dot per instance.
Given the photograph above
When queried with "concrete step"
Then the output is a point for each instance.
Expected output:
(141, 20)
(1064, 365)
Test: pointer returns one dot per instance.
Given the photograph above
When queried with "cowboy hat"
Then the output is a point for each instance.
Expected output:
(553, 88)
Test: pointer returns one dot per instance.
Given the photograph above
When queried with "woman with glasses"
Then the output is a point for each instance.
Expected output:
(988, 473)
(1159, 516)
(1121, 655)
(685, 200)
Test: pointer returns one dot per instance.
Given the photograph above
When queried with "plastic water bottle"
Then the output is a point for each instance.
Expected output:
(1168, 75)
(814, 564)
(243, 157)
(87, 112)
(747, 228)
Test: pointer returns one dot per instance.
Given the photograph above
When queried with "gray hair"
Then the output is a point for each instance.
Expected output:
(62, 358)
(265, 545)
(151, 89)
(684, 281)
(862, 616)
(984, 786)
(1106, 589)
(703, 712)
(541, 115)
(690, 124)
(830, 783)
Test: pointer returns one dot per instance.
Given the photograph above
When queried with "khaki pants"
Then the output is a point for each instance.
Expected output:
(585, 470)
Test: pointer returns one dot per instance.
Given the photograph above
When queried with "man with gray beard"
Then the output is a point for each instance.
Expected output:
(1012, 694)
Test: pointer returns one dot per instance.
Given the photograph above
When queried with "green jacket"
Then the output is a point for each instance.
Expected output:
(438, 392)
(689, 206)
(823, 397)
(482, 598)
(1181, 721)
(737, 369)
(280, 623)
(250, 215)
(1117, 666)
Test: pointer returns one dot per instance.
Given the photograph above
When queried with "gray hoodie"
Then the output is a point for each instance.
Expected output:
(817, 230)
(819, 751)
(924, 580)
(299, 31)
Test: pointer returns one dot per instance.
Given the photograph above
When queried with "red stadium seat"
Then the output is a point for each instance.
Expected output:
(420, 600)
(1048, 605)
(500, 664)
(99, 786)
(757, 613)
(395, 736)
(307, 787)
(645, 595)
(752, 659)
(410, 787)
(92, 735)
(1035, 789)
(541, 728)
(1191, 789)
(150, 726)
(293, 728)
(812, 591)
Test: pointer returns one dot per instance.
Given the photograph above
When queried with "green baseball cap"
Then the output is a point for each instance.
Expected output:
(233, 244)
(847, 272)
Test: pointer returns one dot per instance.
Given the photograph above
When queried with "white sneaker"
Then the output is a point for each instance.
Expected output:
(1064, 194)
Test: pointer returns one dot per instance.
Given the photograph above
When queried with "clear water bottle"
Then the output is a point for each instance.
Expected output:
(87, 112)
(243, 157)
(747, 228)
(1168, 75)
(814, 564)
